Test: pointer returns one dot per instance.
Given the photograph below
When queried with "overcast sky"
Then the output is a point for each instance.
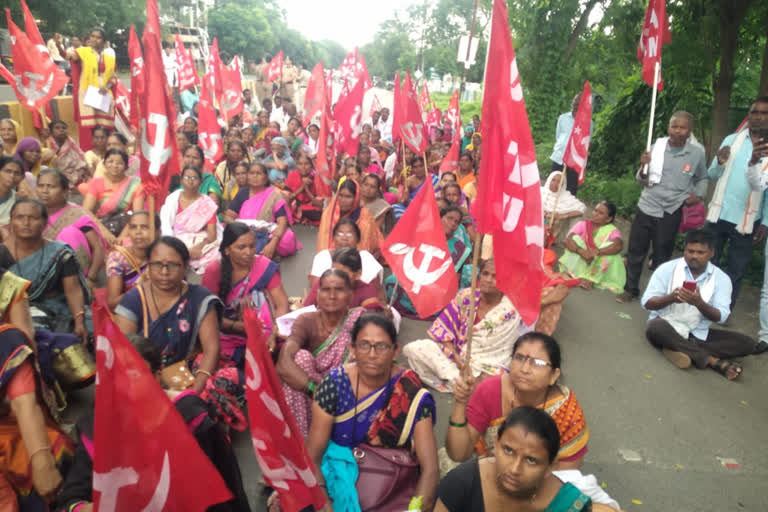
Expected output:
(349, 22)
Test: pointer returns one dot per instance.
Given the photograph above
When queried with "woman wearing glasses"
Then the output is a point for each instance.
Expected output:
(182, 319)
(531, 381)
(190, 216)
(368, 406)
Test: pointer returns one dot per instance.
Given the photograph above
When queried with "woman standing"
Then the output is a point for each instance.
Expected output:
(261, 201)
(92, 68)
(191, 217)
(114, 195)
(126, 265)
(242, 279)
(182, 319)
(593, 250)
(346, 203)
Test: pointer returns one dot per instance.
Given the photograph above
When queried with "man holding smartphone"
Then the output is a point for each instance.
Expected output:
(685, 296)
(738, 215)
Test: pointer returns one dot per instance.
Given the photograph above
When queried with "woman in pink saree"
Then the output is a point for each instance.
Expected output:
(191, 217)
(263, 202)
(72, 224)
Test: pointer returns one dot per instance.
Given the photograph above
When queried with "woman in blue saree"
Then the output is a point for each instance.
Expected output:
(373, 403)
(460, 247)
(411, 181)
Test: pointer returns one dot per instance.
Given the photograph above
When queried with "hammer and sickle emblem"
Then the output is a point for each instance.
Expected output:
(421, 275)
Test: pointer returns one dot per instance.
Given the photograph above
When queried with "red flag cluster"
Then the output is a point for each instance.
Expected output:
(451, 160)
(347, 117)
(231, 100)
(188, 76)
(325, 162)
(508, 184)
(275, 67)
(137, 75)
(353, 69)
(577, 150)
(425, 103)
(655, 34)
(412, 128)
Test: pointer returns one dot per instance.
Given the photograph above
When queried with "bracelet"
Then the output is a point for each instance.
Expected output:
(79, 314)
(204, 372)
(39, 450)
(457, 425)
(416, 503)
(309, 389)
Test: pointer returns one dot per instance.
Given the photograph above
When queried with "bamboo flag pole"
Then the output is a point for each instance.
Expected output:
(656, 69)
(152, 226)
(472, 307)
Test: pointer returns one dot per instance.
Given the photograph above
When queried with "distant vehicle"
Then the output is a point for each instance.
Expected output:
(390, 85)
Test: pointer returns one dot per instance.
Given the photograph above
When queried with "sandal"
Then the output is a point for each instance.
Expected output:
(723, 367)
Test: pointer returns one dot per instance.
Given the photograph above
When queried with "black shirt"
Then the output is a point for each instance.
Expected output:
(461, 489)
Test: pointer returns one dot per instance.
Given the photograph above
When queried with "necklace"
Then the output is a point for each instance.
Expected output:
(541, 405)
(154, 301)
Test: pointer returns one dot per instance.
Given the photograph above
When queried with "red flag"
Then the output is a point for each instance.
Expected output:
(508, 183)
(655, 34)
(354, 68)
(232, 91)
(122, 100)
(451, 160)
(412, 128)
(137, 75)
(431, 282)
(35, 78)
(275, 67)
(280, 451)
(159, 152)
(30, 27)
(325, 161)
(433, 118)
(213, 79)
(348, 118)
(313, 100)
(375, 105)
(397, 109)
(188, 76)
(208, 131)
(424, 100)
(145, 458)
(577, 150)
(453, 112)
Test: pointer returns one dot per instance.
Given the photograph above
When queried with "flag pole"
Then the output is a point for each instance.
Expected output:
(152, 226)
(656, 70)
(472, 307)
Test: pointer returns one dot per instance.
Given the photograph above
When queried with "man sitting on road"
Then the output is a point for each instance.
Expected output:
(685, 296)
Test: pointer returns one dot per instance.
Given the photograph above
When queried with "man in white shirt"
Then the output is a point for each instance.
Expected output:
(385, 125)
(170, 65)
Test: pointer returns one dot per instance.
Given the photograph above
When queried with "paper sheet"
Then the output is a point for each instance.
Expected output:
(94, 99)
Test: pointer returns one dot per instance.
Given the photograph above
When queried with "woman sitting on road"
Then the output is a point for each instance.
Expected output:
(117, 140)
(440, 359)
(195, 157)
(29, 153)
(263, 202)
(568, 206)
(346, 204)
(191, 217)
(126, 265)
(414, 179)
(11, 174)
(279, 162)
(373, 404)
(532, 381)
(70, 159)
(593, 251)
(345, 234)
(371, 199)
(225, 171)
(300, 192)
(242, 279)
(318, 342)
(95, 155)
(452, 193)
(10, 133)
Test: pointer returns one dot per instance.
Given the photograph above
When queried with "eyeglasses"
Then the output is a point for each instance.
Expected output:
(535, 361)
(171, 266)
(345, 235)
(379, 348)
(190, 177)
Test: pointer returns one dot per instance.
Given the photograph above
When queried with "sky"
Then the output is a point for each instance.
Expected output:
(349, 22)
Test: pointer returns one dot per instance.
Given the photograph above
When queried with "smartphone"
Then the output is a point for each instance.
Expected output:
(690, 285)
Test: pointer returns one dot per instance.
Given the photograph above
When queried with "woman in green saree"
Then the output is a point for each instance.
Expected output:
(592, 251)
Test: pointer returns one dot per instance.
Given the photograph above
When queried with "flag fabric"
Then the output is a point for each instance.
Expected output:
(30, 27)
(417, 253)
(232, 91)
(313, 99)
(159, 152)
(122, 100)
(424, 101)
(188, 76)
(137, 75)
(451, 160)
(208, 130)
(375, 105)
(35, 78)
(433, 118)
(655, 34)
(275, 67)
(452, 113)
(213, 77)
(412, 127)
(397, 109)
(577, 150)
(353, 68)
(283, 458)
(347, 116)
(144, 457)
(508, 183)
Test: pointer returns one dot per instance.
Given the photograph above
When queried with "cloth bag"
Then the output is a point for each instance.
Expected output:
(693, 217)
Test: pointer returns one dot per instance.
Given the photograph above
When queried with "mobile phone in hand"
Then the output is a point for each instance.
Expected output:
(690, 285)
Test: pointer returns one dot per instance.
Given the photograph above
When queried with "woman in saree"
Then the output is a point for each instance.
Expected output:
(346, 204)
(532, 381)
(127, 265)
(72, 224)
(70, 159)
(466, 139)
(117, 140)
(29, 152)
(452, 193)
(346, 234)
(262, 138)
(373, 402)
(182, 319)
(191, 217)
(318, 342)
(95, 155)
(11, 173)
(295, 136)
(189, 127)
(10, 133)
(236, 185)
(111, 198)
(92, 68)
(371, 199)
(593, 251)
(465, 173)
(263, 202)
(410, 186)
(242, 278)
(460, 247)
(209, 186)
(440, 359)
(279, 162)
(225, 171)
(567, 205)
(306, 207)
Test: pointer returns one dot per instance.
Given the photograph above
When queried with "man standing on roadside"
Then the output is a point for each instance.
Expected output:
(385, 125)
(672, 174)
(562, 135)
(737, 214)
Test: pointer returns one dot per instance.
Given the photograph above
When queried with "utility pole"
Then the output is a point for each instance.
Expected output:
(469, 47)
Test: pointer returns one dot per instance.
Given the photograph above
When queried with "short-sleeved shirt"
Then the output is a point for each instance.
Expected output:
(462, 488)
(323, 261)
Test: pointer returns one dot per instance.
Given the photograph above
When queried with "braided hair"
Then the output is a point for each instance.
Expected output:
(231, 233)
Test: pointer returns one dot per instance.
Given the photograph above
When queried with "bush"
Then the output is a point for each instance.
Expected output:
(623, 191)
(467, 109)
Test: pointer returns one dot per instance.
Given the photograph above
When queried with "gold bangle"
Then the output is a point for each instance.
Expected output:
(39, 450)
(204, 372)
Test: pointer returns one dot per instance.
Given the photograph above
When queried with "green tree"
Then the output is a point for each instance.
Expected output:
(241, 30)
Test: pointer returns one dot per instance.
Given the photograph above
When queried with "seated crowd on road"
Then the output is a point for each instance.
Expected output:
(75, 228)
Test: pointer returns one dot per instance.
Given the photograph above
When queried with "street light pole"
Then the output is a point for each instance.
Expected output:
(469, 47)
